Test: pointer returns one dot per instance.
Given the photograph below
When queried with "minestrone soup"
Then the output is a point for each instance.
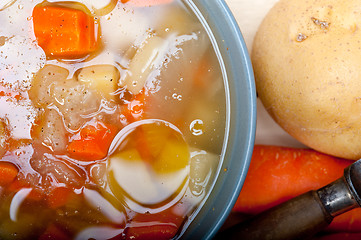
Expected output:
(112, 118)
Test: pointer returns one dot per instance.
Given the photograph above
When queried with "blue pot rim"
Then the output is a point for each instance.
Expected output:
(229, 41)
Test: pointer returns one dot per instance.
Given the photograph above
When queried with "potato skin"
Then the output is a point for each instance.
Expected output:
(307, 62)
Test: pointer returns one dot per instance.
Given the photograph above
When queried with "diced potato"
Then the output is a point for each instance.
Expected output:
(147, 58)
(102, 78)
(40, 87)
(51, 131)
(173, 157)
(73, 100)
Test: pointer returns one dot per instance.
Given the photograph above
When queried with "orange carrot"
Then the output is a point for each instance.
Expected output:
(148, 138)
(58, 197)
(146, 3)
(277, 174)
(92, 142)
(134, 110)
(64, 32)
(5, 92)
(143, 146)
(8, 173)
(18, 184)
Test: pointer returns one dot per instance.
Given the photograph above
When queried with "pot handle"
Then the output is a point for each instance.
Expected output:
(298, 218)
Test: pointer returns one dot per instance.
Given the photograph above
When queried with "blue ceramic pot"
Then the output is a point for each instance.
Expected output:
(241, 118)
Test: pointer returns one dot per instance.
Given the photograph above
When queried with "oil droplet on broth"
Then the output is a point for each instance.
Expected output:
(176, 96)
(196, 127)
(149, 162)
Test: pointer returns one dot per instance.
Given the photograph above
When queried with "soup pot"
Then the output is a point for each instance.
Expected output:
(241, 120)
(54, 107)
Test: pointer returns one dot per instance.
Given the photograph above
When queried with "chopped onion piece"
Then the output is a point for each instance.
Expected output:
(147, 58)
(17, 200)
(104, 206)
(6, 3)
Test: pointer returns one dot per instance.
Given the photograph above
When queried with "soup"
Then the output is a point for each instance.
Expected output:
(112, 118)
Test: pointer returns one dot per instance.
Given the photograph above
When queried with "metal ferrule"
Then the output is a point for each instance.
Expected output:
(337, 197)
(352, 176)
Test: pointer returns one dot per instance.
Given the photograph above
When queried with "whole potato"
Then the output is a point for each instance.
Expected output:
(307, 62)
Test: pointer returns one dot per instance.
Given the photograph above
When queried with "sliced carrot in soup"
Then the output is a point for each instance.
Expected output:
(92, 142)
(8, 173)
(64, 32)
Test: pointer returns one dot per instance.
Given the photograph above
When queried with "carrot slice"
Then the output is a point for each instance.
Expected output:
(18, 184)
(92, 142)
(64, 32)
(59, 197)
(146, 3)
(8, 173)
(134, 110)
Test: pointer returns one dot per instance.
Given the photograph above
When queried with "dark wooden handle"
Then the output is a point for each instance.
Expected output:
(298, 218)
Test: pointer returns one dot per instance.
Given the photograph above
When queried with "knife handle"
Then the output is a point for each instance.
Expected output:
(298, 218)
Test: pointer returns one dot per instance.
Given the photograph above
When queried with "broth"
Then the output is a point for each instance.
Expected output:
(112, 118)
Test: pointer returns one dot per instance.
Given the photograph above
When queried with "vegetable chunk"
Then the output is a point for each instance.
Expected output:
(92, 142)
(103, 78)
(8, 173)
(64, 32)
(51, 87)
(147, 58)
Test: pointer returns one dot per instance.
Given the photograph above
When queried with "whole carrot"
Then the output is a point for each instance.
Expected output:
(277, 174)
